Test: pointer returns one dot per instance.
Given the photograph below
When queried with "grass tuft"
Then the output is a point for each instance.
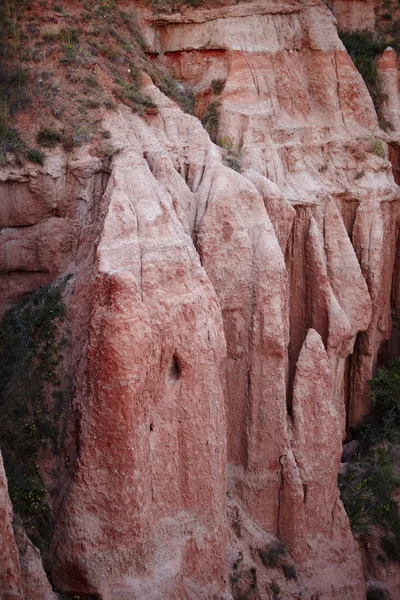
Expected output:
(273, 555)
(48, 137)
(36, 156)
(210, 120)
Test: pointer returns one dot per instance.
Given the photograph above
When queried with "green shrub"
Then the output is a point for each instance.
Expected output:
(132, 95)
(12, 36)
(30, 355)
(364, 50)
(384, 422)
(13, 91)
(232, 161)
(183, 95)
(210, 120)
(10, 142)
(367, 492)
(92, 82)
(36, 156)
(230, 157)
(92, 103)
(217, 86)
(273, 555)
(376, 593)
(50, 36)
(289, 571)
(130, 21)
(48, 137)
(275, 588)
(370, 481)
(378, 148)
(69, 36)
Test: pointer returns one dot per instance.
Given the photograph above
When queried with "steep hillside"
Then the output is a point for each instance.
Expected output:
(205, 191)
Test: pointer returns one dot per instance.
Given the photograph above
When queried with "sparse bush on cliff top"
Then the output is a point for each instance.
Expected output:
(93, 42)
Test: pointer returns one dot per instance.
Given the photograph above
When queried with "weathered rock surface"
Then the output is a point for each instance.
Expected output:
(354, 15)
(312, 518)
(22, 576)
(10, 576)
(225, 324)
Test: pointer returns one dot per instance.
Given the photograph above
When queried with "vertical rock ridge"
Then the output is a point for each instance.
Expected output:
(225, 322)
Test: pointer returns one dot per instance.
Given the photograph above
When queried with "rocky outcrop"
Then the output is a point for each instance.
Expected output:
(22, 576)
(224, 325)
(354, 15)
(312, 518)
(10, 577)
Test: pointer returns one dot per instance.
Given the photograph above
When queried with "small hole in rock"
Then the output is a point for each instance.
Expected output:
(174, 371)
(151, 427)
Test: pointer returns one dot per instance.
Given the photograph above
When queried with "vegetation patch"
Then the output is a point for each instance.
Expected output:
(364, 49)
(48, 137)
(370, 481)
(217, 86)
(13, 97)
(79, 50)
(275, 588)
(289, 571)
(36, 156)
(273, 555)
(131, 94)
(377, 593)
(210, 120)
(30, 355)
(384, 423)
(378, 148)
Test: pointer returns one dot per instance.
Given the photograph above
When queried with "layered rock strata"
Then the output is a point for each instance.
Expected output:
(226, 324)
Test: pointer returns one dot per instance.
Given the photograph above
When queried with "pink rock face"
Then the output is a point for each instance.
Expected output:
(223, 322)
(354, 15)
(47, 222)
(388, 74)
(34, 583)
(154, 402)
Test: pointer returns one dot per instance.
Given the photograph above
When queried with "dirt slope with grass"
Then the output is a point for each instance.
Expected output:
(198, 271)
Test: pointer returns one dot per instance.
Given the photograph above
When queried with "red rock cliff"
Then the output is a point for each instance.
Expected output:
(224, 325)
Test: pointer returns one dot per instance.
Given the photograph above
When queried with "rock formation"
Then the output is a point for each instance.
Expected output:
(224, 325)
(22, 575)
